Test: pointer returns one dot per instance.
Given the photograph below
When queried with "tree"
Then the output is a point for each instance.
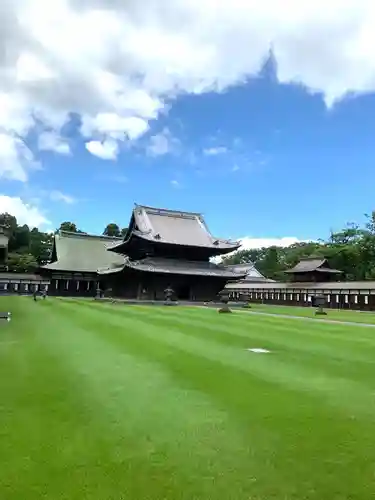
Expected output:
(124, 230)
(41, 246)
(24, 263)
(270, 263)
(68, 226)
(112, 230)
(9, 221)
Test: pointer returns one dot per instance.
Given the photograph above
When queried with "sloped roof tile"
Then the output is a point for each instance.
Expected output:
(251, 272)
(83, 252)
(177, 227)
(174, 266)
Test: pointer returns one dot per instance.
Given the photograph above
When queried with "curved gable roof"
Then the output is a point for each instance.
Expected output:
(81, 252)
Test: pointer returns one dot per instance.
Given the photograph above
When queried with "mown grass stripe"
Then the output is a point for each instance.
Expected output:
(175, 408)
(289, 371)
(285, 339)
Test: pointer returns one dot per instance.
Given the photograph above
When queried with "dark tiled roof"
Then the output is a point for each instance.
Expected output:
(306, 265)
(174, 266)
(174, 227)
(82, 252)
(312, 264)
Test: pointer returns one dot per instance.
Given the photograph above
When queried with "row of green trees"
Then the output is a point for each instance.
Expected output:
(30, 248)
(351, 250)
(111, 229)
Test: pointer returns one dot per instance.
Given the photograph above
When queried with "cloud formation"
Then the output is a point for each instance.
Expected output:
(116, 64)
(65, 198)
(162, 143)
(50, 141)
(215, 151)
(249, 243)
(25, 213)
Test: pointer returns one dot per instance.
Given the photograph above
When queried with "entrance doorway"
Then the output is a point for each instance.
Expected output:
(183, 292)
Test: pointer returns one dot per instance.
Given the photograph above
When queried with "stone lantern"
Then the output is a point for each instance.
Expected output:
(224, 298)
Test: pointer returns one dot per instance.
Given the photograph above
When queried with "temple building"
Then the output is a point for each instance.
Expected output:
(162, 248)
(313, 270)
(310, 278)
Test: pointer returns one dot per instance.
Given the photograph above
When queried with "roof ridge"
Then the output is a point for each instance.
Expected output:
(313, 257)
(168, 210)
(87, 235)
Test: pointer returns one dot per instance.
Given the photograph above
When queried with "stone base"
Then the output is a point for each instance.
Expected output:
(320, 313)
(170, 303)
(224, 309)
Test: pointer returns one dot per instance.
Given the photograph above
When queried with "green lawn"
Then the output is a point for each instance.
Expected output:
(332, 314)
(110, 402)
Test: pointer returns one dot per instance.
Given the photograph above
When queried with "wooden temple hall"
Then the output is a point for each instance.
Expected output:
(310, 278)
(161, 249)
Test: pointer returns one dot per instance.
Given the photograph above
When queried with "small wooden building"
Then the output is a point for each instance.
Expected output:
(313, 270)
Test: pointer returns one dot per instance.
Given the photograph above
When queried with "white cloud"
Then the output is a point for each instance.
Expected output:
(65, 198)
(50, 141)
(175, 183)
(116, 64)
(249, 243)
(106, 150)
(215, 151)
(25, 213)
(16, 159)
(162, 144)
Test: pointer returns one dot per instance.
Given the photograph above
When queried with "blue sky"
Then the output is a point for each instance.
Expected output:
(259, 156)
(260, 159)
